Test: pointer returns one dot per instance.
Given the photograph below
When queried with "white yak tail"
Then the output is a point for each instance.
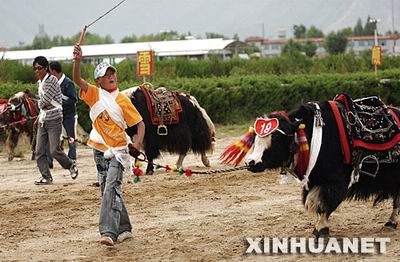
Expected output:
(209, 122)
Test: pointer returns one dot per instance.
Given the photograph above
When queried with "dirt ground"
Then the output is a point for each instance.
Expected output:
(198, 218)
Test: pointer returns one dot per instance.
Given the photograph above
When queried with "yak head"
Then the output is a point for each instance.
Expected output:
(273, 142)
(15, 101)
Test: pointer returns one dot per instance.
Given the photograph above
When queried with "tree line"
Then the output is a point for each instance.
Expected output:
(335, 42)
(43, 41)
(301, 31)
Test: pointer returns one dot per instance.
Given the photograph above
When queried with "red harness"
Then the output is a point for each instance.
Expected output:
(24, 112)
(342, 133)
(3, 108)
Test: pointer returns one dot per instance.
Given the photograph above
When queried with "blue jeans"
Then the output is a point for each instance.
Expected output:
(114, 218)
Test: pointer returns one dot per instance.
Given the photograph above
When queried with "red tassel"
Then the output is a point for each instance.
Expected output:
(237, 151)
(241, 156)
(303, 155)
(230, 154)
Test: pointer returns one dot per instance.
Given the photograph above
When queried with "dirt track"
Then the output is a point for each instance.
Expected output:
(201, 218)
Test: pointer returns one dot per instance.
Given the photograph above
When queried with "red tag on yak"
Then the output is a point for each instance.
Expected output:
(265, 126)
(3, 108)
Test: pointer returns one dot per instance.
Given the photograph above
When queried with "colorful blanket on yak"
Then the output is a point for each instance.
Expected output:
(367, 124)
(164, 105)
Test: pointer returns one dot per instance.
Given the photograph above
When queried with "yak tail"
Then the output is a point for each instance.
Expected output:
(237, 151)
(129, 91)
(208, 120)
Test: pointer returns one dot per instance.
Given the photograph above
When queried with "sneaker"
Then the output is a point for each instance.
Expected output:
(106, 240)
(73, 170)
(124, 236)
(44, 181)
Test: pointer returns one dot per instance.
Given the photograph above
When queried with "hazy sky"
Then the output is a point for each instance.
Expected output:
(20, 19)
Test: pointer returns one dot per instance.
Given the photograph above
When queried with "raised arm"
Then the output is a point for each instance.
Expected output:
(76, 69)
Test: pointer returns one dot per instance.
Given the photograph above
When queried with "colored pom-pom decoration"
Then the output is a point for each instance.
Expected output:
(188, 172)
(138, 163)
(136, 179)
(137, 171)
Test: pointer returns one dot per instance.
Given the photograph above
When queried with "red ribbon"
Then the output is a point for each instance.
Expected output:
(303, 155)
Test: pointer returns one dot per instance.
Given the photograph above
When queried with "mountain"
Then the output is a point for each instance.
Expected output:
(20, 19)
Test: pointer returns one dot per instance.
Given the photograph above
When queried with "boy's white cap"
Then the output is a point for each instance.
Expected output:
(101, 69)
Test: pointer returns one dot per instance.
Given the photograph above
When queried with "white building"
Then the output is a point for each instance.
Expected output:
(116, 52)
(389, 44)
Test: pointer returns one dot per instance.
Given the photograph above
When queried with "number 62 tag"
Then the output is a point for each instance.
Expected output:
(265, 126)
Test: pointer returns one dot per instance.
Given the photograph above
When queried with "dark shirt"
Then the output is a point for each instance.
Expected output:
(69, 98)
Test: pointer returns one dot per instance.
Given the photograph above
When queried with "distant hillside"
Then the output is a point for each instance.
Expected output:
(20, 19)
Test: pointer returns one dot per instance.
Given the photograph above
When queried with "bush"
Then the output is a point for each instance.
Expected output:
(234, 99)
(11, 71)
(242, 97)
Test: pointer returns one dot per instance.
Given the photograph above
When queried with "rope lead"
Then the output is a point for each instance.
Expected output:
(137, 171)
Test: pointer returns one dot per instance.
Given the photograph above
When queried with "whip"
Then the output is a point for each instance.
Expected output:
(100, 17)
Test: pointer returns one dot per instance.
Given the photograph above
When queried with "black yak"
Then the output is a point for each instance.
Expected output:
(338, 149)
(187, 128)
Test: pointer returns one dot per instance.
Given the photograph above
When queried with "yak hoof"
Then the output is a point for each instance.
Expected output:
(205, 161)
(390, 225)
(33, 156)
(322, 233)
(10, 157)
(149, 173)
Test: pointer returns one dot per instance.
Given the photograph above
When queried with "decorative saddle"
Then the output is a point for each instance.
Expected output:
(164, 107)
(370, 131)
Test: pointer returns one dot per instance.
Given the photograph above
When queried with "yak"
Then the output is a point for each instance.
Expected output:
(336, 152)
(187, 128)
(18, 116)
